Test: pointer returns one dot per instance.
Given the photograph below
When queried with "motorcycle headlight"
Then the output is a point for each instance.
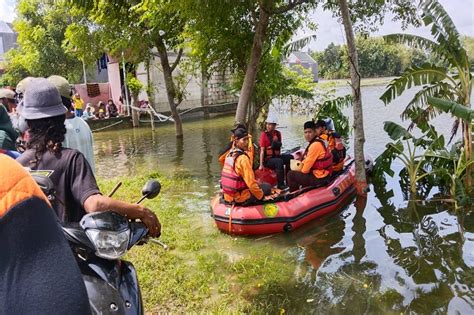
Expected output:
(109, 244)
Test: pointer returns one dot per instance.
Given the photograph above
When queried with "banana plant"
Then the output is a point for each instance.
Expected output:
(453, 82)
(411, 151)
(452, 165)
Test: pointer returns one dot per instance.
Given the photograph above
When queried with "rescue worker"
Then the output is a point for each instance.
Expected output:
(38, 270)
(270, 151)
(317, 160)
(237, 178)
(336, 146)
(250, 149)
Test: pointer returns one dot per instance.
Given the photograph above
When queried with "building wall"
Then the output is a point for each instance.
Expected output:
(216, 93)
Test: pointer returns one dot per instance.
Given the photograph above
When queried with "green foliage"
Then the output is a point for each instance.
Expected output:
(454, 108)
(333, 108)
(406, 149)
(41, 27)
(376, 59)
(452, 82)
(134, 84)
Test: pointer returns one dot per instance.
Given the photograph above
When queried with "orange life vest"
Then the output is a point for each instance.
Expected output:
(274, 150)
(231, 182)
(324, 163)
(339, 150)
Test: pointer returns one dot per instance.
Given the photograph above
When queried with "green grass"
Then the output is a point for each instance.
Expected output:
(205, 270)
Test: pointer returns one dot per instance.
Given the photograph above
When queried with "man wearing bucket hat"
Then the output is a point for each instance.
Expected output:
(237, 177)
(78, 133)
(76, 188)
(270, 151)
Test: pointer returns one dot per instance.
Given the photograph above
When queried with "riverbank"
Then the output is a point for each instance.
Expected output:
(364, 82)
(204, 270)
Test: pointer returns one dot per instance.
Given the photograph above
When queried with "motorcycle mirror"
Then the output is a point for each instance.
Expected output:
(45, 183)
(151, 189)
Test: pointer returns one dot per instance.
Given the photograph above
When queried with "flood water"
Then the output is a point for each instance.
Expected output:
(387, 255)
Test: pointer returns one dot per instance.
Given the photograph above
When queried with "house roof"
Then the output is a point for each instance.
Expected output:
(303, 57)
(6, 28)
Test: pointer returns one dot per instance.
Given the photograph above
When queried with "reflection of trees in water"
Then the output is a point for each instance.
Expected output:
(421, 240)
(421, 271)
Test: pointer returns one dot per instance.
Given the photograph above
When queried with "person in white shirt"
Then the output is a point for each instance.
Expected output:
(78, 133)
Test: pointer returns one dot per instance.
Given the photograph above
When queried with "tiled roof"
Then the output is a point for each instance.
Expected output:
(303, 57)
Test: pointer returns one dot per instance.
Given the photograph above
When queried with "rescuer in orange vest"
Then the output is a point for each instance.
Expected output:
(317, 159)
(250, 149)
(336, 146)
(237, 177)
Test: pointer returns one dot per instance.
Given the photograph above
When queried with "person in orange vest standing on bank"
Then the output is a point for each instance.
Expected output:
(317, 159)
(270, 151)
(238, 178)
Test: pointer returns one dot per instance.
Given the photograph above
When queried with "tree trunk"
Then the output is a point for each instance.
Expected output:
(135, 115)
(252, 67)
(204, 91)
(170, 87)
(361, 181)
(149, 85)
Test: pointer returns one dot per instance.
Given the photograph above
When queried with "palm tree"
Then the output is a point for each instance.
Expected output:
(453, 82)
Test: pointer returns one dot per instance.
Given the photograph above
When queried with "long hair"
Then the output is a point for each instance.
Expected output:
(46, 134)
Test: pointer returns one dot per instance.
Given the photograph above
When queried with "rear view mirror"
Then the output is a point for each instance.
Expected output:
(46, 185)
(151, 189)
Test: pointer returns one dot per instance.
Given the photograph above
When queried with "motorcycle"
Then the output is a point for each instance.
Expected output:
(98, 242)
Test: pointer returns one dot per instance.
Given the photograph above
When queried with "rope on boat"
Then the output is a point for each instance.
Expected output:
(230, 218)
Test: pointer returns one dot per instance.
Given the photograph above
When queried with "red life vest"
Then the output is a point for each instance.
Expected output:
(273, 150)
(324, 163)
(231, 182)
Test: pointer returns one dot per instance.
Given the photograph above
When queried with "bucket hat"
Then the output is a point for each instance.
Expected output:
(42, 100)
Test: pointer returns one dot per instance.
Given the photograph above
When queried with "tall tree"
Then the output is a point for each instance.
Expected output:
(265, 10)
(41, 27)
(135, 28)
(359, 138)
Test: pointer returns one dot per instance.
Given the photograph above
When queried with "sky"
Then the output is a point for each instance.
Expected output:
(330, 30)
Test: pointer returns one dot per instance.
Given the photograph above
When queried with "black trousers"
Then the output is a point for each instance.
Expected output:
(277, 164)
(297, 179)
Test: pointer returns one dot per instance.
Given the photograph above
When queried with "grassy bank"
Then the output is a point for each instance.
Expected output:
(205, 270)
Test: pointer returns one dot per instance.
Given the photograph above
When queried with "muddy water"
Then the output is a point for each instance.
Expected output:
(385, 255)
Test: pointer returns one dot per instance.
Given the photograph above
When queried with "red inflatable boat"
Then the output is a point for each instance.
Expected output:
(288, 212)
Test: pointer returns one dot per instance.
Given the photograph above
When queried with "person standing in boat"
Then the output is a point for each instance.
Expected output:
(317, 161)
(237, 177)
(270, 151)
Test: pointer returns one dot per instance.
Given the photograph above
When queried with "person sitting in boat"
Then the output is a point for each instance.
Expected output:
(237, 177)
(270, 151)
(316, 166)
(336, 146)
(250, 151)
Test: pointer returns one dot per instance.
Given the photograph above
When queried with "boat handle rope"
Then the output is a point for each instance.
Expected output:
(230, 218)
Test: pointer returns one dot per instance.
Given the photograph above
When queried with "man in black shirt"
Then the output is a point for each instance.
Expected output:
(76, 187)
